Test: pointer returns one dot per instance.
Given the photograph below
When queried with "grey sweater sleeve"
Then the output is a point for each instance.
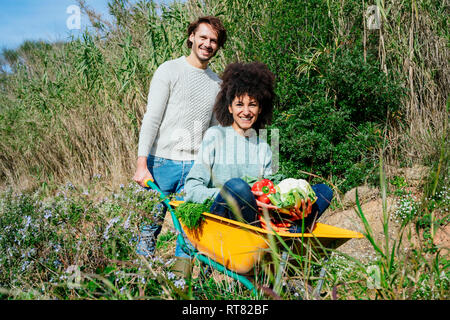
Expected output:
(198, 185)
(158, 96)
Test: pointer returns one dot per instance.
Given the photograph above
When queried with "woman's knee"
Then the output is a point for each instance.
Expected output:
(323, 191)
(237, 185)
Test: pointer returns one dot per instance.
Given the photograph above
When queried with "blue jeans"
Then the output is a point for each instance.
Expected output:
(169, 176)
(240, 191)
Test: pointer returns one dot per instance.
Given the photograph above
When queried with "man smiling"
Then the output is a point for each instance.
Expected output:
(179, 110)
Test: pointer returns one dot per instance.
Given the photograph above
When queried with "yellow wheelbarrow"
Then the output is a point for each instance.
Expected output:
(234, 248)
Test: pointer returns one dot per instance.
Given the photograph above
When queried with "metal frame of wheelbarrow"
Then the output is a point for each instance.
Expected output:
(332, 237)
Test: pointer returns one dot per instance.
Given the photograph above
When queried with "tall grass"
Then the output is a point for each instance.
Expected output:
(72, 110)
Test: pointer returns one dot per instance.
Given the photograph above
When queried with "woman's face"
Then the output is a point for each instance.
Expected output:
(245, 112)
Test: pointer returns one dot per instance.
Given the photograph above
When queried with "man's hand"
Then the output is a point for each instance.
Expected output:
(142, 173)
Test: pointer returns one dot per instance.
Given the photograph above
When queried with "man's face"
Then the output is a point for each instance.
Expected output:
(204, 42)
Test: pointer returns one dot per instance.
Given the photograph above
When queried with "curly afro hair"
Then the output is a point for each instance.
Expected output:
(254, 79)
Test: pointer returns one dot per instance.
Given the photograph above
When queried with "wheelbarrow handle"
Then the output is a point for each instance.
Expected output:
(152, 185)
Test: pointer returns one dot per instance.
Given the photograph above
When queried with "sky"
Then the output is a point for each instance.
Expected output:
(47, 20)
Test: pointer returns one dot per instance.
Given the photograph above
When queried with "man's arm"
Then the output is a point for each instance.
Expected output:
(158, 96)
(157, 102)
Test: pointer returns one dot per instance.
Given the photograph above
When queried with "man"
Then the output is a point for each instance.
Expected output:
(179, 110)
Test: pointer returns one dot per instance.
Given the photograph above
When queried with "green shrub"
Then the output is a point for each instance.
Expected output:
(337, 135)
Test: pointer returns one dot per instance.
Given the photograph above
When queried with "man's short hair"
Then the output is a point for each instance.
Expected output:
(215, 23)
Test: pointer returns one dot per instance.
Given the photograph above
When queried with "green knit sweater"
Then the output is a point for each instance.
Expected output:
(223, 155)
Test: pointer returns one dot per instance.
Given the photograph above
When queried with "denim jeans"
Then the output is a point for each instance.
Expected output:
(240, 191)
(169, 176)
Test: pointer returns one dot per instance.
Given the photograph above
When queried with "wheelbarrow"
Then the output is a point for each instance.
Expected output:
(234, 248)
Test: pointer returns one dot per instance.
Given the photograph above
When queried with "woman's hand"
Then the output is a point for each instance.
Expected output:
(262, 205)
(142, 173)
(303, 211)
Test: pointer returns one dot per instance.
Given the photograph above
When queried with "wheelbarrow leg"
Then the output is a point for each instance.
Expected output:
(318, 288)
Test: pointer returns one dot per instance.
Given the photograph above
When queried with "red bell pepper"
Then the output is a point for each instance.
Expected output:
(267, 187)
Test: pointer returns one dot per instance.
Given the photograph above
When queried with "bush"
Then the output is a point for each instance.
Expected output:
(337, 134)
(332, 106)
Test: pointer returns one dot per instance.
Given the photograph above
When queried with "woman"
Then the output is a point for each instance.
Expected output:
(234, 150)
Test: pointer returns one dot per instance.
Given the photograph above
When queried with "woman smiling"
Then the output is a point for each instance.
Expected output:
(233, 149)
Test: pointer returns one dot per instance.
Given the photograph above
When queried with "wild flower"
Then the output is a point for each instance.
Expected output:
(180, 283)
(169, 262)
(69, 185)
(47, 213)
(111, 223)
(406, 208)
(170, 275)
(27, 222)
(126, 224)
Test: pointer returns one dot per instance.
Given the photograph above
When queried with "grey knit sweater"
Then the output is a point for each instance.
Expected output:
(179, 110)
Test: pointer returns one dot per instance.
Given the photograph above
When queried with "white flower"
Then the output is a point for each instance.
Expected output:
(28, 221)
(48, 213)
(110, 224)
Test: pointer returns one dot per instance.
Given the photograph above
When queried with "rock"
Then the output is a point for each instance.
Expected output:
(414, 177)
(365, 193)
(442, 239)
(362, 249)
(417, 175)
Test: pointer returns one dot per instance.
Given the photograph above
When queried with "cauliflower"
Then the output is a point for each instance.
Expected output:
(291, 192)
